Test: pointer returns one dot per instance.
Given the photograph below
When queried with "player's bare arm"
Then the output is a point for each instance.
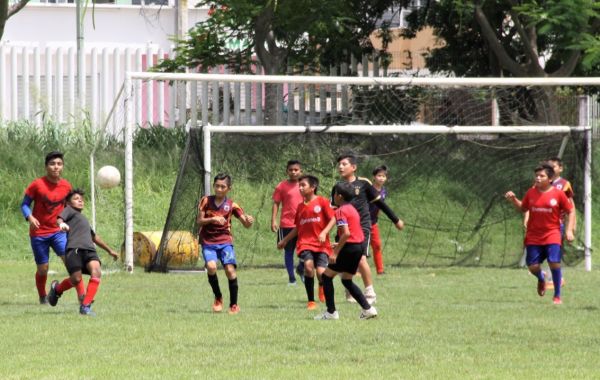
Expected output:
(512, 198)
(323, 235)
(203, 220)
(344, 234)
(247, 220)
(100, 243)
(274, 212)
(62, 225)
(571, 222)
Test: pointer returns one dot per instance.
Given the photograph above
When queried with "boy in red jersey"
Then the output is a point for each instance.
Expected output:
(48, 195)
(379, 179)
(365, 194)
(314, 220)
(287, 196)
(81, 257)
(214, 219)
(346, 255)
(545, 205)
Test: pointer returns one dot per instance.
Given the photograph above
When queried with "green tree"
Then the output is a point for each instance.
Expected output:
(519, 38)
(279, 33)
(7, 10)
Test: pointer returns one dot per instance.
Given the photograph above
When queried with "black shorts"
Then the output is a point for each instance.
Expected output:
(77, 260)
(348, 259)
(320, 259)
(283, 232)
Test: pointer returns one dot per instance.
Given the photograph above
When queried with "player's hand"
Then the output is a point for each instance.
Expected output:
(400, 224)
(274, 227)
(114, 254)
(280, 245)
(510, 195)
(64, 227)
(333, 258)
(33, 222)
(322, 238)
(570, 236)
(249, 219)
(219, 220)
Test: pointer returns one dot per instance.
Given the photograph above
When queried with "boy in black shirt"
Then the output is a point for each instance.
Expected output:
(365, 194)
(81, 254)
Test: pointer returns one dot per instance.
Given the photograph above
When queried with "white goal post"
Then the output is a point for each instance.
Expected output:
(584, 125)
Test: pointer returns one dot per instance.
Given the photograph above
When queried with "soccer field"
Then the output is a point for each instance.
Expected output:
(433, 323)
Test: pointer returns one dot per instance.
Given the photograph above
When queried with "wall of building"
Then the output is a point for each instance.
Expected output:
(407, 54)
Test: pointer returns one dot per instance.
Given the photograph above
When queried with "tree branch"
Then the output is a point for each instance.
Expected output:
(16, 7)
(488, 33)
(528, 37)
(568, 67)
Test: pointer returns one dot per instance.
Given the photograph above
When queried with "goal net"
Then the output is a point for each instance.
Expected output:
(452, 151)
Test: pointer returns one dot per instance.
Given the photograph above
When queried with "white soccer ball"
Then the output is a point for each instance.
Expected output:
(108, 177)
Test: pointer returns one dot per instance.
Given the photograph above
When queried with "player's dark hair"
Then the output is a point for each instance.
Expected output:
(556, 159)
(223, 176)
(345, 189)
(293, 162)
(347, 156)
(380, 169)
(52, 155)
(546, 168)
(73, 192)
(311, 179)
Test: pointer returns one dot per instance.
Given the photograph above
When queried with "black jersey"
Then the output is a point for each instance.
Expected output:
(80, 233)
(364, 194)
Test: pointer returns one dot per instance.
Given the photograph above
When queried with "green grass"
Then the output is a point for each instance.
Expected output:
(442, 323)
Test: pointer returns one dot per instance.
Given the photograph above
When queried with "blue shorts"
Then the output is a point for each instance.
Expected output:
(536, 254)
(222, 252)
(41, 246)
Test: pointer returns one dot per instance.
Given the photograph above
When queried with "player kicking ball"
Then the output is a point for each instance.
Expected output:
(81, 257)
(545, 205)
(346, 255)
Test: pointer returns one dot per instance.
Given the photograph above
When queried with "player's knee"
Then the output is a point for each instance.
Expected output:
(75, 279)
(347, 282)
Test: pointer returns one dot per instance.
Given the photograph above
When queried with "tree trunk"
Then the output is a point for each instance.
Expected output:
(3, 16)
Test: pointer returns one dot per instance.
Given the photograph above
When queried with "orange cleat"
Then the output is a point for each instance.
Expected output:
(321, 294)
(234, 309)
(218, 305)
(311, 305)
(557, 301)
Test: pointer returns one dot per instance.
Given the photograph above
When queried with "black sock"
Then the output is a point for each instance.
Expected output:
(213, 280)
(356, 293)
(233, 292)
(329, 293)
(309, 284)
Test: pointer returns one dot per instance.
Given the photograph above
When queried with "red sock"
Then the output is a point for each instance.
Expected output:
(65, 285)
(378, 259)
(80, 289)
(40, 284)
(92, 288)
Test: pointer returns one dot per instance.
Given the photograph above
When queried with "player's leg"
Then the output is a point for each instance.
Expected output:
(535, 257)
(227, 257)
(376, 246)
(331, 312)
(365, 269)
(554, 253)
(93, 268)
(321, 260)
(309, 278)
(74, 264)
(210, 259)
(288, 254)
(367, 311)
(58, 241)
(41, 254)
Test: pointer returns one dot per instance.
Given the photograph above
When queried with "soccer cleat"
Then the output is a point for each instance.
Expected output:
(327, 316)
(311, 305)
(217, 306)
(370, 295)
(349, 297)
(368, 313)
(43, 300)
(86, 310)
(292, 284)
(557, 301)
(541, 288)
(234, 309)
(53, 295)
(321, 294)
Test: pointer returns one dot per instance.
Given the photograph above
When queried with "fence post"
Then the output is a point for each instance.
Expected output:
(584, 121)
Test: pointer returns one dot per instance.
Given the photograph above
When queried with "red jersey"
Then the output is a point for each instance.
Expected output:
(215, 233)
(48, 202)
(311, 219)
(287, 194)
(545, 209)
(346, 215)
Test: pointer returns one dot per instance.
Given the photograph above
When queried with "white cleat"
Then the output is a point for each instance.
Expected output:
(327, 316)
(368, 313)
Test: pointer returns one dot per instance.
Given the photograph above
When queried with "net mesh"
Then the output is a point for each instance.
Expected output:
(447, 188)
